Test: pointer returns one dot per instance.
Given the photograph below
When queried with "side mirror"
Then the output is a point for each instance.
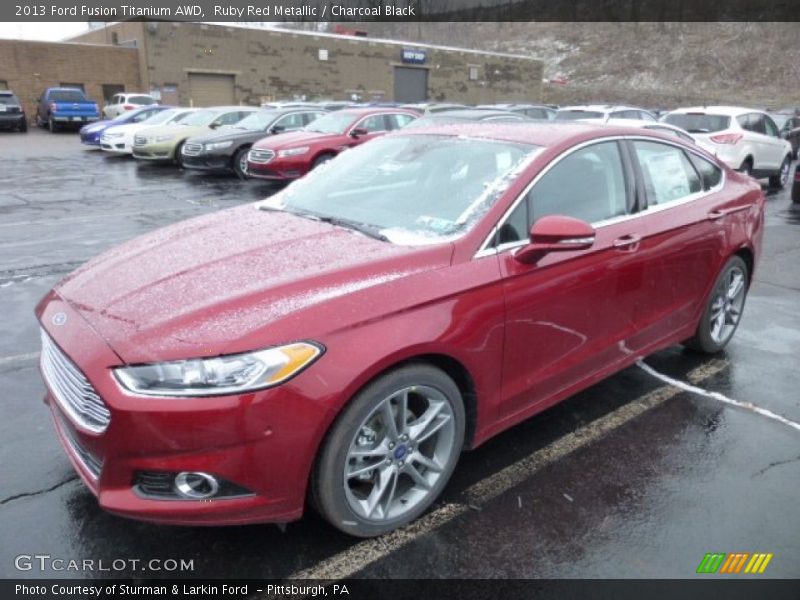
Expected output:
(214, 125)
(277, 129)
(358, 131)
(556, 234)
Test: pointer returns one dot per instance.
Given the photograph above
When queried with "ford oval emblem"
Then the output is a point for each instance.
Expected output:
(59, 318)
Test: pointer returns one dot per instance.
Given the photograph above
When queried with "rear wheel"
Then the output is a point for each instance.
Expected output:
(239, 162)
(779, 180)
(391, 452)
(723, 309)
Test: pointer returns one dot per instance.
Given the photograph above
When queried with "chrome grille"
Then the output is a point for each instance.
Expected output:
(192, 149)
(73, 392)
(260, 157)
(139, 140)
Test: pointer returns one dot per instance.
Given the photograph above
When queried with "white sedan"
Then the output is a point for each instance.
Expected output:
(119, 139)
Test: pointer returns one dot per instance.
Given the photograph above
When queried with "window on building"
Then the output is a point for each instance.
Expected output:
(473, 73)
(3, 84)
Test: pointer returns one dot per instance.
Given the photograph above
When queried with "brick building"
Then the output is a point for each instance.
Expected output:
(203, 64)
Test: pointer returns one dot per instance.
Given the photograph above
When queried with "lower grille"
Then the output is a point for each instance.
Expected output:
(192, 149)
(73, 392)
(139, 140)
(92, 464)
(260, 157)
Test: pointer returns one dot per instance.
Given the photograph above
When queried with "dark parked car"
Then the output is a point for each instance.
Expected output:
(226, 149)
(338, 344)
(789, 127)
(65, 107)
(12, 115)
(796, 185)
(469, 115)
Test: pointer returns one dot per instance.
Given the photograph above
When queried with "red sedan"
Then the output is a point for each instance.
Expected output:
(291, 155)
(345, 339)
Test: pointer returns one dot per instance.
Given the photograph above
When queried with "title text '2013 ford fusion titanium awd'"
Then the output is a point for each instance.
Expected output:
(345, 339)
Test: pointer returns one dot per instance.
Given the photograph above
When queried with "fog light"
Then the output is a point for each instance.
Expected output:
(196, 485)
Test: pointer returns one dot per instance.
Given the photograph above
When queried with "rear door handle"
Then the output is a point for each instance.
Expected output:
(627, 242)
(718, 213)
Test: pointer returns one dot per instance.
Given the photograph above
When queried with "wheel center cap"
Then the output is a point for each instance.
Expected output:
(400, 452)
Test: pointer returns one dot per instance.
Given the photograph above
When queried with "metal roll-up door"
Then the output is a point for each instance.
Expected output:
(207, 89)
(410, 85)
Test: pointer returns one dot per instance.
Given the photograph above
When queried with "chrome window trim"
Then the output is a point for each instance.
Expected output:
(486, 248)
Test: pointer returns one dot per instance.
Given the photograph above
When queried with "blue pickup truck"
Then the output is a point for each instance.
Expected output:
(65, 107)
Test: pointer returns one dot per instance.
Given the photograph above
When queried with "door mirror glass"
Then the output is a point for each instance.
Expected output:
(556, 233)
(358, 131)
(277, 129)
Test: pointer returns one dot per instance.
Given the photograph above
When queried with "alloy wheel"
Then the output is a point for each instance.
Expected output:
(726, 308)
(399, 452)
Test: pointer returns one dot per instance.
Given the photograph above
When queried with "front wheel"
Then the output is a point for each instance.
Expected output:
(391, 452)
(779, 181)
(23, 126)
(723, 309)
(322, 159)
(51, 125)
(239, 162)
(178, 158)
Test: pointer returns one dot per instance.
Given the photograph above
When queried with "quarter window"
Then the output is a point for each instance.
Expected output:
(668, 175)
(710, 174)
(770, 127)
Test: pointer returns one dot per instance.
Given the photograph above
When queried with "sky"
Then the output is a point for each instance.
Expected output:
(51, 32)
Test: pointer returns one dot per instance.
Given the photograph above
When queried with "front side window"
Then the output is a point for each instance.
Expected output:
(588, 184)
(668, 175)
(292, 121)
(373, 124)
(398, 121)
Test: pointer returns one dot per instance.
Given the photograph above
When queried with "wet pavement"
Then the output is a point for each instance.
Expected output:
(631, 478)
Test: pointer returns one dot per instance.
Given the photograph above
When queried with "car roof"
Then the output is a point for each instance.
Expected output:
(370, 110)
(220, 108)
(729, 111)
(6, 93)
(472, 113)
(538, 133)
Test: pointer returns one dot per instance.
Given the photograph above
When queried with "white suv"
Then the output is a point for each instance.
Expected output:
(603, 111)
(119, 103)
(743, 138)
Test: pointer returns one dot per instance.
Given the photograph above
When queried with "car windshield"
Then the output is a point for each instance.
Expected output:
(9, 99)
(408, 189)
(574, 115)
(143, 100)
(200, 118)
(257, 121)
(67, 96)
(698, 122)
(332, 123)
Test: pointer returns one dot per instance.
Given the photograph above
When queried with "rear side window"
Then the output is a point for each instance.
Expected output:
(711, 174)
(698, 122)
(646, 116)
(668, 175)
(536, 113)
(572, 115)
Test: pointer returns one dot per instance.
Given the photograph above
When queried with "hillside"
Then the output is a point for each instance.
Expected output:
(657, 64)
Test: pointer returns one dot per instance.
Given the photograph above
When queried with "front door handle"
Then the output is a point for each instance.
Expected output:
(627, 242)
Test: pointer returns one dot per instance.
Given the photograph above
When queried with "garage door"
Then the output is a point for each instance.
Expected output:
(206, 89)
(410, 85)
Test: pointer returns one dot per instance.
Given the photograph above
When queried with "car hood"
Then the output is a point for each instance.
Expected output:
(293, 138)
(235, 135)
(232, 281)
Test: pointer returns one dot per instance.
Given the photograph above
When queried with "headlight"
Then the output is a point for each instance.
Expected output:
(232, 374)
(292, 152)
(218, 145)
(112, 135)
(163, 138)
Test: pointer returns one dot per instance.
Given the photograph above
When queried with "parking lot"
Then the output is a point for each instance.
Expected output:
(634, 477)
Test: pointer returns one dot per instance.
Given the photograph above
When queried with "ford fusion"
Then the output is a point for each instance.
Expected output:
(340, 343)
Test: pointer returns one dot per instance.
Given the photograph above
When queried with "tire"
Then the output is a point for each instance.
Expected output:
(322, 158)
(779, 181)
(51, 125)
(710, 338)
(747, 166)
(239, 162)
(39, 122)
(178, 159)
(23, 126)
(408, 474)
(796, 192)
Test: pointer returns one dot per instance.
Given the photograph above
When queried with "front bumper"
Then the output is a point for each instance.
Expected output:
(91, 139)
(278, 169)
(11, 120)
(75, 118)
(116, 144)
(217, 163)
(158, 151)
(263, 441)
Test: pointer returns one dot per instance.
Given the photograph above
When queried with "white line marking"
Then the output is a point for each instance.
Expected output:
(19, 357)
(362, 554)
(717, 396)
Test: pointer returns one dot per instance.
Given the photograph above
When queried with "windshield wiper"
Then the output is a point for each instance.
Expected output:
(365, 228)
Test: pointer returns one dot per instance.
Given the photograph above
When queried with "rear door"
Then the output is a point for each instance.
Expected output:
(573, 314)
(681, 244)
